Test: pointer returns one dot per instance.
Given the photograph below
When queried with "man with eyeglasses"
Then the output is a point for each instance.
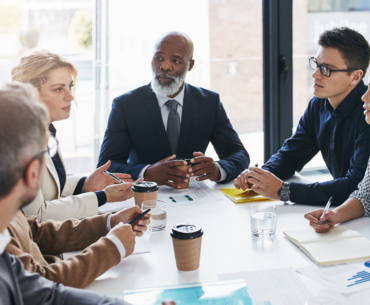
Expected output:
(332, 124)
(105, 238)
(23, 135)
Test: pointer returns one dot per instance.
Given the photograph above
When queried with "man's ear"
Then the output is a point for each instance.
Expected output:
(191, 64)
(33, 173)
(356, 77)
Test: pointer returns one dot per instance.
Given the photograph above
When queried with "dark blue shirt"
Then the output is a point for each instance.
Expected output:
(343, 138)
(59, 167)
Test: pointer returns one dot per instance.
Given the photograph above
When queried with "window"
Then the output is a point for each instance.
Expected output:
(63, 27)
(227, 36)
(338, 5)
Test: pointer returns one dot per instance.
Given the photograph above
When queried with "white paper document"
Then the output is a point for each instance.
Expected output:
(197, 192)
(342, 278)
(141, 246)
(272, 287)
(116, 206)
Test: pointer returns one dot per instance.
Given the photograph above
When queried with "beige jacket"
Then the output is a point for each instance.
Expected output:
(38, 246)
(48, 204)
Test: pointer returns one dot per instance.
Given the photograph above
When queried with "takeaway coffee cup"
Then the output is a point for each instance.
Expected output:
(145, 190)
(183, 168)
(187, 240)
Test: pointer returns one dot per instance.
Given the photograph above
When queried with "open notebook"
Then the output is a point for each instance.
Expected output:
(336, 246)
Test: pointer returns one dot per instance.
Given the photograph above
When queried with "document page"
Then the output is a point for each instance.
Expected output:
(116, 206)
(342, 278)
(272, 287)
(309, 235)
(218, 293)
(198, 191)
(141, 246)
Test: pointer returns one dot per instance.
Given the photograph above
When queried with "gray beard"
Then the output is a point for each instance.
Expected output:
(170, 89)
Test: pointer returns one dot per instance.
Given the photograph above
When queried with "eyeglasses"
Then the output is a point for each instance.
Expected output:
(51, 150)
(325, 70)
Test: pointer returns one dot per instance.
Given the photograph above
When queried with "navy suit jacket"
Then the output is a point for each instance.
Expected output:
(135, 136)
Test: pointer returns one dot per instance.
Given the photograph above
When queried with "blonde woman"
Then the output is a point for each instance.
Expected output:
(63, 196)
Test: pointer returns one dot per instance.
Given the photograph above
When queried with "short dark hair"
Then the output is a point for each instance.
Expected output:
(23, 125)
(353, 46)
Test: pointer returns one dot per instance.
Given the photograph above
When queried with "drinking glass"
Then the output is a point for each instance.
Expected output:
(158, 220)
(263, 220)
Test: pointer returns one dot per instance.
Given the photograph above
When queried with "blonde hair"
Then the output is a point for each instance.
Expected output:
(34, 67)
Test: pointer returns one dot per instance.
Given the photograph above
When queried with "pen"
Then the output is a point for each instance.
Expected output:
(326, 209)
(113, 176)
(254, 166)
(138, 217)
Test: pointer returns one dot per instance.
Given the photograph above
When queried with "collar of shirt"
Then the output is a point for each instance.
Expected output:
(163, 99)
(349, 102)
(52, 130)
(4, 240)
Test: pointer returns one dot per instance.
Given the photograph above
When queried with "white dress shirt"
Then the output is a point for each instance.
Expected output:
(165, 111)
(115, 239)
(4, 240)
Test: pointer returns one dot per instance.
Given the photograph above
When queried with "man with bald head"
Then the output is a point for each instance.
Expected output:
(168, 119)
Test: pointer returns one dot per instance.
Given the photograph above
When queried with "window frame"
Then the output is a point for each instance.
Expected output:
(277, 20)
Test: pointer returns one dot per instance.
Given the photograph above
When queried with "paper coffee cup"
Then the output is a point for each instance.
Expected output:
(187, 241)
(145, 190)
(183, 185)
(185, 169)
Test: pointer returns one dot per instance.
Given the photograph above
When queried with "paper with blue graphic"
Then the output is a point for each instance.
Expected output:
(272, 287)
(218, 293)
(343, 278)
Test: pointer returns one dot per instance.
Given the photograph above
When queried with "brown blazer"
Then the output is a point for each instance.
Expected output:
(38, 246)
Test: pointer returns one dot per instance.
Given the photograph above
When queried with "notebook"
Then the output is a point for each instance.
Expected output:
(217, 293)
(339, 245)
(240, 196)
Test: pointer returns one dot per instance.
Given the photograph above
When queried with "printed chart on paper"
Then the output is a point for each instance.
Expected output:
(198, 192)
(343, 278)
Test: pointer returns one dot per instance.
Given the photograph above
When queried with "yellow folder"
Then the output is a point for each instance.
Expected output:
(240, 196)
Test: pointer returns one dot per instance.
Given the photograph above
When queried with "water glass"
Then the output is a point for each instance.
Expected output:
(158, 220)
(263, 220)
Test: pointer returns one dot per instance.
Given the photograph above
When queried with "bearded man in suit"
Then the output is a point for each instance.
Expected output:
(152, 125)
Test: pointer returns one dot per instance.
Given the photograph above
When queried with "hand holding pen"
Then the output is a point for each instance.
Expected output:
(241, 182)
(98, 180)
(326, 209)
(113, 176)
(322, 220)
(120, 192)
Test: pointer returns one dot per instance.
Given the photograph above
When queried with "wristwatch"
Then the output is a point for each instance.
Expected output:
(284, 192)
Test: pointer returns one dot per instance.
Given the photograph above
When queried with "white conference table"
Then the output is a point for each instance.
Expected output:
(227, 246)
